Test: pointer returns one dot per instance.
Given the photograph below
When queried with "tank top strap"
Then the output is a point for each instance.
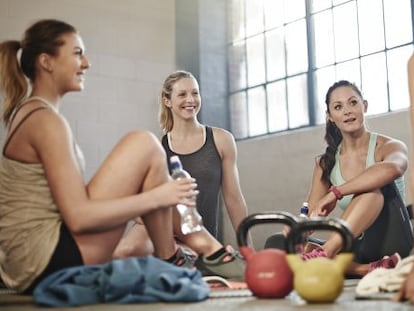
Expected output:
(45, 105)
(371, 149)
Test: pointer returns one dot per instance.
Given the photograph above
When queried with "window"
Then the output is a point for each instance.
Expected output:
(284, 54)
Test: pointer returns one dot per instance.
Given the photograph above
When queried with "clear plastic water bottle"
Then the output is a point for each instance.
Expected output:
(191, 220)
(304, 210)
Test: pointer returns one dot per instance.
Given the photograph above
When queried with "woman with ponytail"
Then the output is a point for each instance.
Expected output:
(49, 218)
(361, 172)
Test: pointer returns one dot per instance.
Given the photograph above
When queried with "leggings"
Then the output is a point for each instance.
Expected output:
(391, 232)
(66, 254)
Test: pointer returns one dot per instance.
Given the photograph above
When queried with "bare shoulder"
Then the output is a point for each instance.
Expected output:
(385, 141)
(222, 135)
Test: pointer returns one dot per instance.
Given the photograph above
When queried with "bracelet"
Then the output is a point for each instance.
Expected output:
(336, 192)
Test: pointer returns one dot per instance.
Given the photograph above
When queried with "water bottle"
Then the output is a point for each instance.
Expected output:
(304, 210)
(191, 220)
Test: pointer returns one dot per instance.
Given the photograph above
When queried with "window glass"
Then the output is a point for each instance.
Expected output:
(257, 111)
(324, 41)
(374, 83)
(274, 13)
(298, 101)
(254, 17)
(294, 9)
(275, 54)
(346, 32)
(324, 79)
(349, 71)
(276, 101)
(397, 76)
(255, 60)
(318, 5)
(296, 47)
(371, 26)
(398, 22)
(238, 115)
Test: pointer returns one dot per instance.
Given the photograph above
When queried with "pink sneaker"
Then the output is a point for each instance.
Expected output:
(387, 262)
(315, 253)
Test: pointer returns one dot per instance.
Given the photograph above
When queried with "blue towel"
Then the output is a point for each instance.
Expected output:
(129, 280)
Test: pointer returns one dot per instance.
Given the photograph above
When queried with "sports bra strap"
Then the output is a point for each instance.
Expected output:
(18, 126)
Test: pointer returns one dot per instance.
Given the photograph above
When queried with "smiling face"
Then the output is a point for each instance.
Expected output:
(346, 109)
(69, 65)
(185, 101)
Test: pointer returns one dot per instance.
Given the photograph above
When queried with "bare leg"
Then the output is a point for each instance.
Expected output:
(137, 164)
(359, 215)
(201, 242)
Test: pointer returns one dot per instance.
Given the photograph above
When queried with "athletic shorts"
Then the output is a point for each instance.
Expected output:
(66, 254)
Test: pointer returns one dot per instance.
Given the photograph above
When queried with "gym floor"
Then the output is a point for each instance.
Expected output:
(244, 301)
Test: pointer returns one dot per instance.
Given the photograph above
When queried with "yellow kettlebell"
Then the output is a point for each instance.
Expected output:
(319, 280)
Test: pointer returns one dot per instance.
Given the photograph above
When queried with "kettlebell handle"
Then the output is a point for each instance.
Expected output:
(320, 223)
(261, 218)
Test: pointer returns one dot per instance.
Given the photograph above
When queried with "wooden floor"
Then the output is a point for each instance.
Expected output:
(346, 301)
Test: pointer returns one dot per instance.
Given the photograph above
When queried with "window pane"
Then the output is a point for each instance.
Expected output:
(236, 20)
(255, 60)
(276, 101)
(294, 9)
(298, 101)
(374, 83)
(273, 11)
(275, 55)
(350, 71)
(296, 47)
(324, 42)
(324, 79)
(398, 24)
(254, 17)
(371, 27)
(257, 111)
(318, 5)
(238, 115)
(237, 66)
(397, 77)
(346, 32)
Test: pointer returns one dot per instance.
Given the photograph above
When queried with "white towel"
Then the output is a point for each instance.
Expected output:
(385, 280)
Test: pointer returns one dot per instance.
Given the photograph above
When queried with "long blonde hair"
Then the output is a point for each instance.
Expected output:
(17, 71)
(165, 115)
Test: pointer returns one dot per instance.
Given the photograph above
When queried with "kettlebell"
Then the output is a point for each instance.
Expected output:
(267, 273)
(319, 280)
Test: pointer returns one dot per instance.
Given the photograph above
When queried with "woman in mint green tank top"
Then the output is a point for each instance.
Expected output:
(361, 172)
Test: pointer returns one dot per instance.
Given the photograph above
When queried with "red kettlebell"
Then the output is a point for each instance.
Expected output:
(267, 273)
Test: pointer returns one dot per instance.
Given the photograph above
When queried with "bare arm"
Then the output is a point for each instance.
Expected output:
(392, 161)
(232, 194)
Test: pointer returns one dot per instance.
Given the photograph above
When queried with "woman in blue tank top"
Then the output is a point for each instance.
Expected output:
(361, 172)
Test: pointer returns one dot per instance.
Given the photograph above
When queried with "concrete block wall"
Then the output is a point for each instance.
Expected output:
(131, 45)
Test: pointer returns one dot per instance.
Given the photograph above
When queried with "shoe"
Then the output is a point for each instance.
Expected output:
(314, 253)
(184, 258)
(230, 265)
(387, 262)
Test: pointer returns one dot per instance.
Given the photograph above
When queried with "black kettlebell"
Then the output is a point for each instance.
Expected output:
(267, 273)
(319, 279)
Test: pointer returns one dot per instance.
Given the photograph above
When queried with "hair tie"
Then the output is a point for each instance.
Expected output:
(19, 56)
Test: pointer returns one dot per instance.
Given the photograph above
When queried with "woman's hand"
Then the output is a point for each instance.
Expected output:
(325, 205)
(407, 289)
(175, 192)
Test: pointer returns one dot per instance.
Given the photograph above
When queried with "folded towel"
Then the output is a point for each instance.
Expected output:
(385, 280)
(143, 279)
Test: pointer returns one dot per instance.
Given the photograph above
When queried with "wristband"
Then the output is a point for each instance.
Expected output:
(336, 192)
